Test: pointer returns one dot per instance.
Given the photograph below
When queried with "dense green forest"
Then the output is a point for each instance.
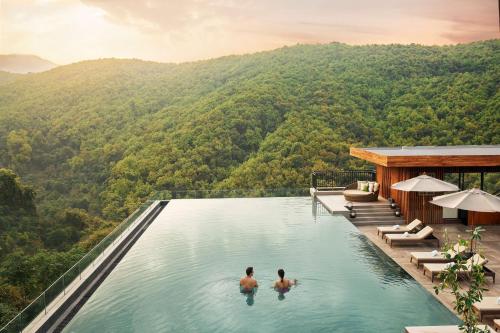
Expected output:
(8, 77)
(95, 138)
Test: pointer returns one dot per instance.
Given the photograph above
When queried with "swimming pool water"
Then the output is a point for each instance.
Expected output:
(182, 275)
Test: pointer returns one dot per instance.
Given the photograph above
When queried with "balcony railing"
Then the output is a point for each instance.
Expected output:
(336, 179)
(42, 304)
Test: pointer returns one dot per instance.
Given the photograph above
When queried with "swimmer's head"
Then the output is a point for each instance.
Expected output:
(249, 271)
(281, 273)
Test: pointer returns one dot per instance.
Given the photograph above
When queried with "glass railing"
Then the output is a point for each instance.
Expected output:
(42, 304)
(230, 193)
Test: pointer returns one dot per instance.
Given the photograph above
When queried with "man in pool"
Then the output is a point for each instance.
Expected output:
(248, 283)
(283, 285)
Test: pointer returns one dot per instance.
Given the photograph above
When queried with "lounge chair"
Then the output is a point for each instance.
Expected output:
(440, 329)
(424, 235)
(435, 269)
(489, 272)
(496, 324)
(395, 229)
(488, 306)
(436, 256)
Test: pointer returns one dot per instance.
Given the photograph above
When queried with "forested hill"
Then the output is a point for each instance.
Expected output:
(101, 135)
(6, 77)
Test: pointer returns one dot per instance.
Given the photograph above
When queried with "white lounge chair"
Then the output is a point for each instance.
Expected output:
(488, 306)
(436, 256)
(424, 235)
(396, 229)
(435, 269)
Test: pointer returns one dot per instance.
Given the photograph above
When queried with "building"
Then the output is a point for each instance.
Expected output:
(442, 162)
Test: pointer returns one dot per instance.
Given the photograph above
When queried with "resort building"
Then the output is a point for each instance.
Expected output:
(450, 163)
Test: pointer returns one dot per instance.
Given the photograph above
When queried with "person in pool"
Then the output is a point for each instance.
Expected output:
(248, 283)
(283, 285)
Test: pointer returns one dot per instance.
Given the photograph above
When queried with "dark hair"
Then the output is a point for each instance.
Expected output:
(249, 270)
(281, 274)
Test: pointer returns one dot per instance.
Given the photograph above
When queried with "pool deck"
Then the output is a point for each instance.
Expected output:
(489, 245)
(335, 202)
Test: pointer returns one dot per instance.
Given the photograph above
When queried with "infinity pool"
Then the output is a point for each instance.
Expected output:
(183, 273)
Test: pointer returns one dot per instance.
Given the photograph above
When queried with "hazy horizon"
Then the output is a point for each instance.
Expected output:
(67, 31)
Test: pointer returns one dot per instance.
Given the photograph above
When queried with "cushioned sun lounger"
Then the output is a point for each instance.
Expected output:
(436, 256)
(435, 269)
(487, 307)
(439, 329)
(496, 324)
(395, 229)
(424, 235)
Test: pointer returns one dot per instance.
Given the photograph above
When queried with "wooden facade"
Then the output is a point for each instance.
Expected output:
(413, 205)
(477, 218)
(393, 169)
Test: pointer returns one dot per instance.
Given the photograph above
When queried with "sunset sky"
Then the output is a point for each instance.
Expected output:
(66, 31)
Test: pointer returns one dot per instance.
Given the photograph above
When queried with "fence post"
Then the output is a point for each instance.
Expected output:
(314, 180)
(44, 303)
(64, 285)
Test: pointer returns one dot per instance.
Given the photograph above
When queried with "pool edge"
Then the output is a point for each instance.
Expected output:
(68, 305)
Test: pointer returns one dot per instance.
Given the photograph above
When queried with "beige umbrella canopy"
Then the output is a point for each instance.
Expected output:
(474, 200)
(424, 183)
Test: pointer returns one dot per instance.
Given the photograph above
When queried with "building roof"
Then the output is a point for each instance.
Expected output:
(431, 156)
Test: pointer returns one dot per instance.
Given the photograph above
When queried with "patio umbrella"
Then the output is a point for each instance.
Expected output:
(424, 183)
(474, 200)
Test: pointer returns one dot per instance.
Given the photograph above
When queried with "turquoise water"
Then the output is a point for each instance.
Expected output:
(182, 275)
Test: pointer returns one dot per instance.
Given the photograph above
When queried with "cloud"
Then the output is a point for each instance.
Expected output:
(183, 30)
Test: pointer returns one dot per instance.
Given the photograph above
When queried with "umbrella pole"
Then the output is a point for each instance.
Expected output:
(424, 217)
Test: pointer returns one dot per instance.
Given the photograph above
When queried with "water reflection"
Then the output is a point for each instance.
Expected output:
(385, 268)
(249, 295)
(318, 210)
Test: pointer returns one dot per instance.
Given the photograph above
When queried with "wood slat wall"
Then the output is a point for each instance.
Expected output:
(413, 205)
(477, 218)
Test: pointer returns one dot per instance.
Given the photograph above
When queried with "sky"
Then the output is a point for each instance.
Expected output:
(66, 31)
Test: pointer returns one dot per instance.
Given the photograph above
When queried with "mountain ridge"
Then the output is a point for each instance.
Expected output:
(24, 63)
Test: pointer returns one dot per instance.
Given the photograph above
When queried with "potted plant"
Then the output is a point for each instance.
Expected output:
(464, 297)
(475, 238)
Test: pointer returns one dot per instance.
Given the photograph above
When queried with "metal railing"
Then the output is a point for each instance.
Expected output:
(331, 179)
(64, 283)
